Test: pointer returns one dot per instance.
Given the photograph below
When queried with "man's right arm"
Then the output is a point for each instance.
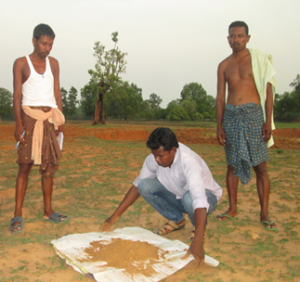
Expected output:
(220, 103)
(129, 199)
(17, 99)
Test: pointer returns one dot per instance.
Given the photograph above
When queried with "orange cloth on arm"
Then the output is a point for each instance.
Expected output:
(54, 116)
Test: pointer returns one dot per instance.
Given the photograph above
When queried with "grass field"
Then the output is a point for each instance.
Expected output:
(92, 178)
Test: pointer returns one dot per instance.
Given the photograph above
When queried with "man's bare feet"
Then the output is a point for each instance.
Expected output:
(268, 224)
(227, 216)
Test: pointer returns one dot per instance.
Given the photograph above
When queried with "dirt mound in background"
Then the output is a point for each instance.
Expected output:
(287, 132)
(288, 138)
(7, 132)
(127, 135)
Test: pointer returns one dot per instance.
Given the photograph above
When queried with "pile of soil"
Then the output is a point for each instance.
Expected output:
(135, 257)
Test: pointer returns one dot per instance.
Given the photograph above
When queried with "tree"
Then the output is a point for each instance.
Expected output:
(178, 113)
(124, 100)
(287, 105)
(6, 100)
(296, 83)
(72, 101)
(110, 64)
(64, 98)
(205, 103)
(190, 107)
(194, 91)
(154, 101)
(69, 101)
(173, 104)
(88, 98)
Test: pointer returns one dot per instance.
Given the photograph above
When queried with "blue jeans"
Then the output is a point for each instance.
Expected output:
(166, 203)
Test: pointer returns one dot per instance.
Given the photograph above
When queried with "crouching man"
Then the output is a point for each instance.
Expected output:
(174, 180)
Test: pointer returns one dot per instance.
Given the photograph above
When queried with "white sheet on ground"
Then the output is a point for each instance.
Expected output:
(71, 248)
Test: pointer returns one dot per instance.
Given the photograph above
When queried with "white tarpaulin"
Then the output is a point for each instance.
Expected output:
(71, 248)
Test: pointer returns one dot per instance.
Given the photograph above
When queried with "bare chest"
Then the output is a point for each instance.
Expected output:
(239, 70)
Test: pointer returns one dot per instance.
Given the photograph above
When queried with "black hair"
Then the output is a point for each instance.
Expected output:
(239, 23)
(43, 29)
(164, 137)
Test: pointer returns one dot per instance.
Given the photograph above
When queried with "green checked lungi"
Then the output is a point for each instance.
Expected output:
(245, 146)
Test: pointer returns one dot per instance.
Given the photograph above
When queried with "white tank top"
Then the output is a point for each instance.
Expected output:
(38, 89)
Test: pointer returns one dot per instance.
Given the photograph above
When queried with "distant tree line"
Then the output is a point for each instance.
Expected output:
(287, 105)
(124, 101)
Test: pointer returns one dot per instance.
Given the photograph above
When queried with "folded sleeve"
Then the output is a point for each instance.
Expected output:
(148, 170)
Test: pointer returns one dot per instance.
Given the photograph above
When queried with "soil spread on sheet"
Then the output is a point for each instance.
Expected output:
(135, 257)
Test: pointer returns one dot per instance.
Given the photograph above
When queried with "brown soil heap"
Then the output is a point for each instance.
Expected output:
(133, 256)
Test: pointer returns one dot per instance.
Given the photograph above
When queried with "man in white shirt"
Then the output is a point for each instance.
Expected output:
(174, 180)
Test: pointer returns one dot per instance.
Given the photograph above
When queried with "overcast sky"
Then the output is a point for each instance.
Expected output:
(169, 42)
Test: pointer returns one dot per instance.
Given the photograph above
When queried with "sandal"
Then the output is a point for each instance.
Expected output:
(169, 227)
(57, 218)
(13, 228)
(268, 225)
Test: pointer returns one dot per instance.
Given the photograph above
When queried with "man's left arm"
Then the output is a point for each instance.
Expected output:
(57, 94)
(267, 129)
(197, 247)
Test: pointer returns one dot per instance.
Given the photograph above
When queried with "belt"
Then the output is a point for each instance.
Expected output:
(45, 109)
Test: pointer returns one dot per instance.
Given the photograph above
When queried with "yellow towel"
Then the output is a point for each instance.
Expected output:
(263, 71)
(54, 116)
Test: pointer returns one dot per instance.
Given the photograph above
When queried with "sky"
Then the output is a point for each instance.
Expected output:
(169, 43)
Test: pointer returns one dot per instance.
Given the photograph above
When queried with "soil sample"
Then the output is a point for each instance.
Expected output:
(135, 257)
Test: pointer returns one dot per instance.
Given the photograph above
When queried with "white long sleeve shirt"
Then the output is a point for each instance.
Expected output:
(189, 172)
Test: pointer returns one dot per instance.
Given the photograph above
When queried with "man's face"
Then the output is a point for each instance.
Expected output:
(237, 38)
(43, 45)
(164, 158)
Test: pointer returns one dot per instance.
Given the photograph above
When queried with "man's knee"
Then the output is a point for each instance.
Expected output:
(24, 169)
(187, 202)
(260, 169)
(145, 186)
(230, 169)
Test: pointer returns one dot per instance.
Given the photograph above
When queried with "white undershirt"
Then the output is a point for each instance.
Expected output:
(38, 89)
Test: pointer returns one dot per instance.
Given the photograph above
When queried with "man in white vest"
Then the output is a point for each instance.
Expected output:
(38, 116)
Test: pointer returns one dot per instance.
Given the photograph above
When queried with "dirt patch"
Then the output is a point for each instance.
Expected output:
(288, 138)
(93, 178)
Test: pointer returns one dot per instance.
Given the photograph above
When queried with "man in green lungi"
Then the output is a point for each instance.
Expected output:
(245, 122)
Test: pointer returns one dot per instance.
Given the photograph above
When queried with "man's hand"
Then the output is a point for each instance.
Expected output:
(196, 249)
(221, 136)
(18, 134)
(107, 224)
(267, 132)
(60, 129)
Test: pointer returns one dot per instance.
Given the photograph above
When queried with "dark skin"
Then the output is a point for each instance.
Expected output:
(165, 159)
(21, 73)
(236, 72)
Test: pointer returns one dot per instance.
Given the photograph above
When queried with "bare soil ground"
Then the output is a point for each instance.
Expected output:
(97, 168)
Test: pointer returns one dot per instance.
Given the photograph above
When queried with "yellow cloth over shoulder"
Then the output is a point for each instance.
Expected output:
(263, 71)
